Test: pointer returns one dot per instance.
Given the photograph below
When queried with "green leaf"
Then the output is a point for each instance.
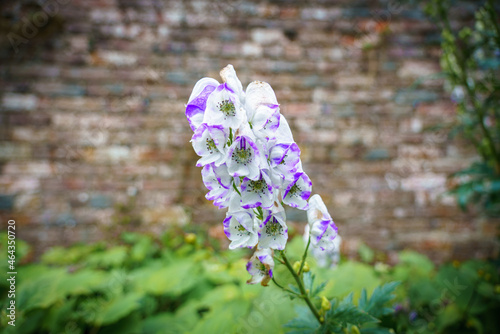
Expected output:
(376, 330)
(163, 323)
(348, 277)
(346, 313)
(304, 323)
(375, 306)
(130, 324)
(366, 253)
(113, 257)
(116, 308)
(173, 279)
(229, 317)
(42, 291)
(449, 316)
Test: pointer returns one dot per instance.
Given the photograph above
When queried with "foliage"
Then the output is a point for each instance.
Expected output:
(166, 285)
(455, 298)
(471, 62)
(142, 285)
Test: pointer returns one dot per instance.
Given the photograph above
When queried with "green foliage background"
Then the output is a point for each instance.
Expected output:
(142, 284)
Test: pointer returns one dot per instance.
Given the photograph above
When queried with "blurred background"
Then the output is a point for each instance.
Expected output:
(94, 141)
(395, 106)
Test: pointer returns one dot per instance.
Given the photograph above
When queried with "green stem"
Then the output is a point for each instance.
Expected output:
(301, 288)
(304, 256)
(480, 115)
(285, 289)
(490, 8)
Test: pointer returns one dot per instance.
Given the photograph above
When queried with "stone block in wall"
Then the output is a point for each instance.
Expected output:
(7, 202)
(413, 69)
(11, 150)
(12, 101)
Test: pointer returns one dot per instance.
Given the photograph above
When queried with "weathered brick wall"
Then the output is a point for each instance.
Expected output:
(94, 138)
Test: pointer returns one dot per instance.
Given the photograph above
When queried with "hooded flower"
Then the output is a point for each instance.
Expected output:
(256, 193)
(209, 143)
(322, 228)
(224, 108)
(284, 158)
(297, 191)
(218, 182)
(274, 232)
(239, 228)
(243, 158)
(195, 109)
(261, 266)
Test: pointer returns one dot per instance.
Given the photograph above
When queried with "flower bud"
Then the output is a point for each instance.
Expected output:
(296, 266)
(190, 238)
(306, 267)
(355, 330)
(325, 304)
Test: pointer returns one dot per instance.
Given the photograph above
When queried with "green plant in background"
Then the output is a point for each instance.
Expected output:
(471, 63)
(173, 284)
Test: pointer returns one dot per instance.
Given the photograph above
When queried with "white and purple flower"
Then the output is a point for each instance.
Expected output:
(297, 191)
(243, 158)
(224, 108)
(257, 193)
(251, 165)
(218, 182)
(322, 229)
(209, 143)
(195, 109)
(274, 231)
(261, 266)
(284, 158)
(239, 228)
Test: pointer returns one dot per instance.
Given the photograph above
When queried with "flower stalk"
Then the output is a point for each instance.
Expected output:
(302, 290)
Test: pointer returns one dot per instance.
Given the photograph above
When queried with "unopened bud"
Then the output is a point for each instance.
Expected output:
(190, 238)
(306, 267)
(296, 266)
(355, 330)
(325, 304)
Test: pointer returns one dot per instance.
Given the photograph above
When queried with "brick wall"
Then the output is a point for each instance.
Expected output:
(93, 138)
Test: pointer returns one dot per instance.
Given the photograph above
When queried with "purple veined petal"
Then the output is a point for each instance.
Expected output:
(209, 143)
(323, 230)
(259, 93)
(266, 116)
(228, 75)
(323, 234)
(218, 182)
(298, 191)
(284, 158)
(238, 227)
(224, 108)
(256, 193)
(273, 122)
(283, 133)
(261, 266)
(195, 108)
(243, 158)
(317, 210)
(274, 233)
